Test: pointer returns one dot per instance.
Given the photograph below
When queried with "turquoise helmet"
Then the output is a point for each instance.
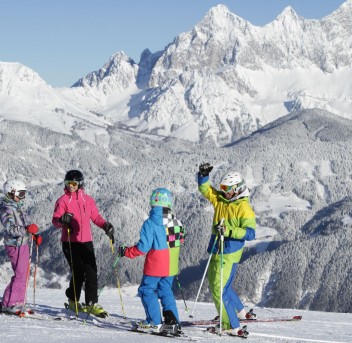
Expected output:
(161, 197)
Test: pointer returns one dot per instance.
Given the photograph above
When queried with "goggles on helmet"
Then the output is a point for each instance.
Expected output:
(71, 183)
(20, 194)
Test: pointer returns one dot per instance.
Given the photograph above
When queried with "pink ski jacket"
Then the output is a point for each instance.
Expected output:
(84, 210)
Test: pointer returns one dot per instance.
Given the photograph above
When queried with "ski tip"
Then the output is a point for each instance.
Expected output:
(296, 317)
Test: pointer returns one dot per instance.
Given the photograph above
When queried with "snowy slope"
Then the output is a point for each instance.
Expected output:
(316, 327)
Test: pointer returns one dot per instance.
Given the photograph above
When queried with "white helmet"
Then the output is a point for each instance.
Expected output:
(15, 188)
(233, 181)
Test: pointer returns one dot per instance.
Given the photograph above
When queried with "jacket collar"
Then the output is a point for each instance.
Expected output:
(78, 194)
(12, 202)
(243, 195)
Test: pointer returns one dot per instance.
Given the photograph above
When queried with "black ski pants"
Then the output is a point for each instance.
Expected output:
(84, 268)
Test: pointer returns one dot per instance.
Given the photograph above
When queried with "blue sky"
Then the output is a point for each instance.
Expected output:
(63, 40)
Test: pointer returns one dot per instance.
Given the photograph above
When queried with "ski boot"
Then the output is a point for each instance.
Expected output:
(96, 310)
(71, 305)
(240, 332)
(172, 325)
(147, 327)
(250, 315)
(14, 309)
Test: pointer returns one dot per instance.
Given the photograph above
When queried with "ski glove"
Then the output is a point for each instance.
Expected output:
(32, 228)
(109, 230)
(38, 239)
(121, 250)
(66, 218)
(220, 228)
(205, 169)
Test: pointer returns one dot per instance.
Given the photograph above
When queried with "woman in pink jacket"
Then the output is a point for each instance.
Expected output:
(73, 213)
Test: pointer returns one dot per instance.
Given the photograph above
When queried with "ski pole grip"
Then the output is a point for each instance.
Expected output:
(222, 232)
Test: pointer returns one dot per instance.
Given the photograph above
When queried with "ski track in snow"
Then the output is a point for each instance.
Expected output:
(318, 327)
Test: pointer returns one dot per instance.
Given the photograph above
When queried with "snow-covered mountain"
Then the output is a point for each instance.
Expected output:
(25, 97)
(218, 82)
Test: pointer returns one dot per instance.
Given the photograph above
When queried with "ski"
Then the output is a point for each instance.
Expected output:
(273, 319)
(33, 315)
(179, 336)
(130, 326)
(262, 320)
(42, 317)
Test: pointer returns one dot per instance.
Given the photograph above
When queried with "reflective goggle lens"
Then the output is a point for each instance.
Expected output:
(20, 194)
(72, 183)
(225, 188)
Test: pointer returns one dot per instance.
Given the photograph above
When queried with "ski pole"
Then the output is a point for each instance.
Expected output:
(73, 274)
(179, 286)
(35, 273)
(205, 272)
(221, 276)
(118, 281)
(27, 276)
(102, 287)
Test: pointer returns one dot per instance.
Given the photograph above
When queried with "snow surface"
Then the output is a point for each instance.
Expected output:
(319, 327)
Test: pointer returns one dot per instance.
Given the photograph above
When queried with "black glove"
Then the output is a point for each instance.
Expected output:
(109, 230)
(205, 169)
(66, 218)
(220, 228)
(121, 250)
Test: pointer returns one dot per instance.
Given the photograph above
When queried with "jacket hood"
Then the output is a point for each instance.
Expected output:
(157, 214)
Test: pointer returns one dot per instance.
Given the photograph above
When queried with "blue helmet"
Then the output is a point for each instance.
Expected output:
(161, 197)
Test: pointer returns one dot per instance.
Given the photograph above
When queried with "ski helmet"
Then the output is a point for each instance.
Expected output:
(233, 181)
(161, 197)
(75, 175)
(15, 188)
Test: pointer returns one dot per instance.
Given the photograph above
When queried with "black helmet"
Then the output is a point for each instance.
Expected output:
(75, 175)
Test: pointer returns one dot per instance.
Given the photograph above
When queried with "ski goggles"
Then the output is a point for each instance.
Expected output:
(226, 188)
(20, 194)
(71, 183)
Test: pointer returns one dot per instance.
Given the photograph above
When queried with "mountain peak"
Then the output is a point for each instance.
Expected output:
(219, 10)
(116, 74)
(220, 16)
(18, 79)
(288, 14)
(342, 16)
